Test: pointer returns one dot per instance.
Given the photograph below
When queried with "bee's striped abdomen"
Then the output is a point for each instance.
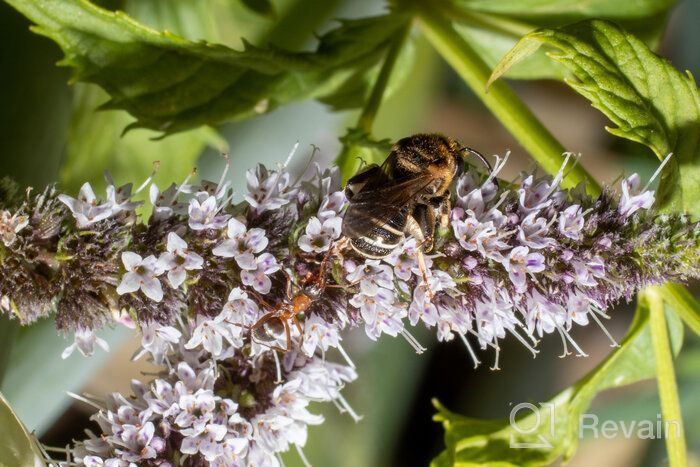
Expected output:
(377, 237)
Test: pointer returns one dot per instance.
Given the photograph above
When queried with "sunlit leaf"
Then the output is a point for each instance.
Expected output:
(648, 100)
(684, 304)
(171, 84)
(493, 27)
(18, 447)
(526, 442)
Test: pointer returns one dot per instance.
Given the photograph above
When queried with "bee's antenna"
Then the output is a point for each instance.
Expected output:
(478, 156)
(481, 157)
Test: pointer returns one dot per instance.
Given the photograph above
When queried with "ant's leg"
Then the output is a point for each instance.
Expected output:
(300, 329)
(261, 300)
(288, 333)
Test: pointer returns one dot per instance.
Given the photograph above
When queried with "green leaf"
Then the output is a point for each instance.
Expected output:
(261, 7)
(18, 447)
(493, 27)
(648, 100)
(95, 144)
(684, 304)
(471, 441)
(171, 84)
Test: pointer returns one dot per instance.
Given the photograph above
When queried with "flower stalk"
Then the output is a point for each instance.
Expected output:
(346, 160)
(666, 378)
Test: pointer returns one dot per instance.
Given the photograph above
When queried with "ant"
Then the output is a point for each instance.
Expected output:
(280, 316)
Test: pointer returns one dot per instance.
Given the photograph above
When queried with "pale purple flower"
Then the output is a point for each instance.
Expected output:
(211, 333)
(379, 313)
(84, 341)
(204, 213)
(632, 199)
(265, 265)
(119, 198)
(137, 441)
(319, 236)
(571, 222)
(520, 263)
(10, 226)
(533, 231)
(331, 205)
(86, 209)
(239, 309)
(242, 244)
(165, 203)
(318, 333)
(372, 275)
(157, 340)
(178, 259)
(206, 442)
(141, 273)
(267, 190)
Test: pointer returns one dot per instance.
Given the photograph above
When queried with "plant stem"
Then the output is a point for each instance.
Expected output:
(666, 380)
(500, 98)
(345, 161)
(8, 331)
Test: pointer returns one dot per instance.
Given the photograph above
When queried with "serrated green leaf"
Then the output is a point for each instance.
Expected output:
(648, 100)
(493, 27)
(471, 441)
(18, 447)
(171, 84)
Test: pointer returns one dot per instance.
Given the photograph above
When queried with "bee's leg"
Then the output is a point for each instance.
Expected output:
(444, 208)
(421, 224)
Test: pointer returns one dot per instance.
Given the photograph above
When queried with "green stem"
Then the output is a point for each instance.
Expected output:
(666, 380)
(500, 98)
(345, 161)
(8, 331)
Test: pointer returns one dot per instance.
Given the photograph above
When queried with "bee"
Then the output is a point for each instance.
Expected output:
(407, 195)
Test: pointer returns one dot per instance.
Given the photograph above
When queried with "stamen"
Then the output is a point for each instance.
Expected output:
(278, 367)
(560, 174)
(303, 458)
(581, 353)
(223, 174)
(489, 343)
(607, 333)
(291, 154)
(658, 171)
(522, 340)
(349, 409)
(84, 399)
(495, 364)
(181, 187)
(470, 350)
(577, 159)
(498, 166)
(156, 166)
(563, 343)
(413, 341)
(346, 356)
(225, 202)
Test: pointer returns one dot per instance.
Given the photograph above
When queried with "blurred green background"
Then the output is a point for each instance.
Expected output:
(49, 130)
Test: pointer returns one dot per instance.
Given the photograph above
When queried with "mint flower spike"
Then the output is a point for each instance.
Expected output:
(243, 305)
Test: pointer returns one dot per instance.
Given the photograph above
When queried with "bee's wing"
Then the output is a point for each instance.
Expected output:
(387, 205)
